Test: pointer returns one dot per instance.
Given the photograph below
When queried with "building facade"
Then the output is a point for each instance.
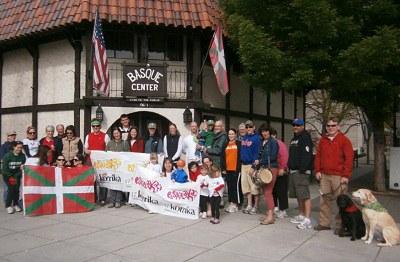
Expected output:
(46, 73)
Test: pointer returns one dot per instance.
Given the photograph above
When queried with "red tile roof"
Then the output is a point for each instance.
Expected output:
(23, 17)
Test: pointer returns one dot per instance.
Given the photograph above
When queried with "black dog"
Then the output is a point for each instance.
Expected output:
(352, 222)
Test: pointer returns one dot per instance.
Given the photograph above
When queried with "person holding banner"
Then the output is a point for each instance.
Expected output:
(167, 168)
(116, 144)
(97, 140)
(153, 143)
(137, 144)
(173, 143)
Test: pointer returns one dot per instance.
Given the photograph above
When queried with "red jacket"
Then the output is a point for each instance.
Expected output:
(334, 157)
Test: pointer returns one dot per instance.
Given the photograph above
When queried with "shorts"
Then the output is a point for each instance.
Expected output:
(247, 183)
(299, 185)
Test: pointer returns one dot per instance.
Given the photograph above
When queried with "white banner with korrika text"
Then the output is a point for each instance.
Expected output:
(127, 172)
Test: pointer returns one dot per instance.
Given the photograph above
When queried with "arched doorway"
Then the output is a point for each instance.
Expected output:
(142, 119)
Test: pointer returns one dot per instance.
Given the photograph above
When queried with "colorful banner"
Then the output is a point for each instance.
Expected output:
(52, 190)
(127, 172)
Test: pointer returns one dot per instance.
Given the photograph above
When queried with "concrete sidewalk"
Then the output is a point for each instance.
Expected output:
(131, 234)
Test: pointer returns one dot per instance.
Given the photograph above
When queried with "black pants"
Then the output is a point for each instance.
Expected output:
(203, 203)
(280, 192)
(235, 194)
(215, 201)
(12, 192)
(102, 193)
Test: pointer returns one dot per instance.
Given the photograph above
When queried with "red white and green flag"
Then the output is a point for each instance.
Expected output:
(217, 57)
(51, 190)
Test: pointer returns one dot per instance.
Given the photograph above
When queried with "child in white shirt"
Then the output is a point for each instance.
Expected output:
(204, 199)
(154, 165)
(215, 192)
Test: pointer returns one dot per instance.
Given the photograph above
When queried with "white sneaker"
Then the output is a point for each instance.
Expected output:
(282, 214)
(17, 208)
(297, 219)
(276, 211)
(10, 210)
(204, 215)
(232, 209)
(306, 224)
(253, 211)
(247, 210)
(229, 207)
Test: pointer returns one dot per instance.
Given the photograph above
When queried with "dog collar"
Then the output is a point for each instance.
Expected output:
(351, 209)
(376, 206)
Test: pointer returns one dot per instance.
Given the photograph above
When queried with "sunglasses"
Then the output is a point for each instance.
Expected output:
(296, 125)
(75, 159)
(96, 126)
(32, 133)
(331, 125)
(61, 159)
(249, 126)
(69, 133)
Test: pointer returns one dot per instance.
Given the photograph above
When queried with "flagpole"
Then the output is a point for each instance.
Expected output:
(205, 58)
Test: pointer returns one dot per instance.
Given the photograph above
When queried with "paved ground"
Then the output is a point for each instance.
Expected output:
(131, 234)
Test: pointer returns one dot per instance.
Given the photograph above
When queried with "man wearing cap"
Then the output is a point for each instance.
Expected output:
(153, 142)
(6, 147)
(300, 165)
(97, 140)
(333, 167)
(250, 148)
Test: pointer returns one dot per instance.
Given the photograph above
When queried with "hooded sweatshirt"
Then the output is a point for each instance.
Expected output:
(250, 148)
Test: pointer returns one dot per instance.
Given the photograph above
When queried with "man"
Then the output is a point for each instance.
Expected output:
(300, 166)
(97, 140)
(125, 126)
(190, 143)
(333, 167)
(6, 147)
(218, 144)
(242, 131)
(153, 142)
(60, 131)
(250, 148)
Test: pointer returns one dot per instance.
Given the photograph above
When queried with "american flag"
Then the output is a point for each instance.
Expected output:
(100, 64)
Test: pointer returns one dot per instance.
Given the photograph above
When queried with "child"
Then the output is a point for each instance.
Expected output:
(179, 175)
(194, 171)
(215, 192)
(204, 199)
(154, 165)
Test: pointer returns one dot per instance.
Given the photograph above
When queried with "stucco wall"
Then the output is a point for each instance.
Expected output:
(239, 94)
(56, 73)
(259, 101)
(236, 121)
(289, 105)
(15, 122)
(276, 105)
(83, 67)
(54, 118)
(300, 105)
(211, 93)
(17, 78)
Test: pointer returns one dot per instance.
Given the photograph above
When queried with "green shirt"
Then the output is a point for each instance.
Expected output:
(12, 164)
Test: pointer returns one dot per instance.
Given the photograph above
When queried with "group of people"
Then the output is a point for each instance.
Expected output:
(219, 160)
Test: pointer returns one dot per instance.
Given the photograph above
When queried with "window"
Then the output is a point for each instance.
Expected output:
(165, 47)
(120, 44)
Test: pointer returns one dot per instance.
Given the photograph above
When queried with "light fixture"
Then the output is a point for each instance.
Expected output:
(187, 116)
(99, 113)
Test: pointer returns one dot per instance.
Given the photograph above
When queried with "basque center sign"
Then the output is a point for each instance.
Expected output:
(145, 81)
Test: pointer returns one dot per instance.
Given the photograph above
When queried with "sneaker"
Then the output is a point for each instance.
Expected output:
(216, 221)
(204, 215)
(102, 203)
(297, 219)
(247, 210)
(321, 228)
(276, 211)
(306, 224)
(17, 208)
(228, 208)
(232, 209)
(281, 214)
(111, 205)
(253, 211)
(117, 205)
(10, 210)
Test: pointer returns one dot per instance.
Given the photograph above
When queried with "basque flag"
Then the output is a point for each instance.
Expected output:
(54, 190)
(217, 57)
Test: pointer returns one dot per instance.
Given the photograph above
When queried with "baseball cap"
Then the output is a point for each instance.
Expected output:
(152, 125)
(249, 123)
(298, 121)
(210, 122)
(95, 122)
(11, 133)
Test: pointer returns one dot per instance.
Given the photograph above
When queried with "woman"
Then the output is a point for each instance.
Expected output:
(78, 160)
(173, 143)
(153, 143)
(12, 172)
(116, 144)
(167, 168)
(269, 159)
(136, 143)
(230, 166)
(31, 144)
(53, 142)
(60, 161)
(45, 154)
(71, 145)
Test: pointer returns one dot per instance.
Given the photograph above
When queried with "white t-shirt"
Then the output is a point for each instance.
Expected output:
(33, 146)
(214, 183)
(203, 181)
(154, 167)
(189, 148)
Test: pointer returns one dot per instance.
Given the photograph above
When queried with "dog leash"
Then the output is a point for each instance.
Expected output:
(330, 194)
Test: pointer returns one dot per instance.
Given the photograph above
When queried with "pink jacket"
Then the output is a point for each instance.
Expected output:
(283, 155)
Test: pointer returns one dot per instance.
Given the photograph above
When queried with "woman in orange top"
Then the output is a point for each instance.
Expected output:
(230, 166)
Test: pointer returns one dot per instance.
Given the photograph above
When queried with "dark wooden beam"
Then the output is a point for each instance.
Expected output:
(38, 108)
(34, 51)
(196, 66)
(88, 85)
(269, 108)
(1, 88)
(295, 93)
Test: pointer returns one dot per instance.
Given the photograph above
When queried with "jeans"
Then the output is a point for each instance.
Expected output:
(215, 201)
(116, 196)
(203, 203)
(12, 192)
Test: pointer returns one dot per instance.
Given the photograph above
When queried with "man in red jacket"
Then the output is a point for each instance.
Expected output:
(333, 166)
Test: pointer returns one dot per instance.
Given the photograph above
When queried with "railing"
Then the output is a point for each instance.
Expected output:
(176, 81)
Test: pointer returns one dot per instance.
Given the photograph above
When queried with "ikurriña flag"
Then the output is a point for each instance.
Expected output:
(53, 190)
(217, 57)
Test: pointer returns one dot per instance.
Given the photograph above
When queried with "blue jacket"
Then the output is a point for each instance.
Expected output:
(269, 153)
(180, 176)
(5, 148)
(250, 147)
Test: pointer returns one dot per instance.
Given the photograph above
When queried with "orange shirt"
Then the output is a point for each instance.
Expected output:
(231, 156)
